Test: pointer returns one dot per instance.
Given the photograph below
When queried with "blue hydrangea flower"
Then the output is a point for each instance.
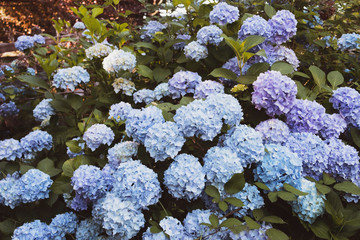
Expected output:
(183, 82)
(144, 95)
(120, 218)
(205, 88)
(283, 26)
(312, 151)
(63, 224)
(349, 41)
(195, 51)
(151, 28)
(88, 230)
(120, 111)
(148, 235)
(35, 230)
(280, 53)
(98, 50)
(79, 203)
(306, 116)
(274, 92)
(30, 71)
(185, 177)
(7, 69)
(98, 134)
(210, 35)
(24, 42)
(343, 160)
(173, 227)
(161, 90)
(119, 60)
(246, 143)
(80, 144)
(88, 181)
(224, 13)
(334, 125)
(70, 78)
(125, 86)
(273, 131)
(79, 26)
(231, 64)
(8, 109)
(310, 206)
(36, 141)
(43, 110)
(199, 119)
(278, 166)
(139, 121)
(251, 198)
(255, 25)
(10, 149)
(34, 185)
(122, 152)
(258, 234)
(329, 40)
(136, 183)
(164, 140)
(192, 223)
(9, 190)
(181, 45)
(39, 39)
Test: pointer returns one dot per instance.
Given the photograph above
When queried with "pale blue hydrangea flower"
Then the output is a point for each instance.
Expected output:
(273, 131)
(119, 60)
(310, 206)
(173, 227)
(137, 183)
(306, 116)
(280, 53)
(192, 223)
(164, 140)
(274, 92)
(161, 90)
(181, 45)
(30, 71)
(35, 230)
(125, 86)
(81, 145)
(144, 95)
(151, 28)
(349, 41)
(120, 111)
(89, 182)
(199, 119)
(147, 235)
(108, 175)
(120, 218)
(99, 50)
(195, 51)
(278, 166)
(9, 190)
(343, 160)
(65, 223)
(39, 39)
(251, 198)
(334, 125)
(98, 134)
(24, 42)
(122, 152)
(139, 121)
(10, 149)
(88, 230)
(207, 87)
(283, 26)
(183, 82)
(246, 143)
(35, 141)
(254, 234)
(210, 35)
(43, 110)
(79, 26)
(185, 178)
(254, 25)
(70, 78)
(8, 109)
(224, 13)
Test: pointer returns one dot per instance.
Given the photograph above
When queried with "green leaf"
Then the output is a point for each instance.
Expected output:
(61, 105)
(276, 234)
(320, 229)
(7, 226)
(318, 75)
(212, 191)
(301, 74)
(223, 206)
(214, 220)
(283, 67)
(96, 12)
(145, 45)
(293, 190)
(269, 10)
(273, 196)
(322, 188)
(223, 72)
(155, 229)
(72, 164)
(98, 115)
(185, 2)
(75, 101)
(116, 2)
(145, 71)
(235, 184)
(234, 201)
(252, 41)
(61, 185)
(327, 179)
(273, 219)
(246, 79)
(335, 78)
(160, 74)
(34, 81)
(24, 168)
(262, 186)
(47, 166)
(257, 68)
(92, 24)
(251, 223)
(347, 187)
(73, 146)
(355, 134)
(186, 100)
(334, 207)
(230, 223)
(41, 51)
(287, 196)
(258, 214)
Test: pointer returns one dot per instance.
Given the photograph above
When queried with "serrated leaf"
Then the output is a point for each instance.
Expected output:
(47, 166)
(223, 206)
(234, 201)
(230, 223)
(293, 190)
(320, 229)
(251, 223)
(276, 234)
(269, 10)
(61, 185)
(262, 186)
(273, 196)
(287, 196)
(322, 188)
(34, 81)
(235, 184)
(223, 72)
(257, 68)
(328, 180)
(214, 220)
(347, 187)
(318, 75)
(258, 214)
(335, 78)
(145, 71)
(283, 67)
(273, 219)
(212, 191)
(252, 41)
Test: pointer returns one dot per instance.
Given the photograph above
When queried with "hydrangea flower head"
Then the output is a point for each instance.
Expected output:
(193, 220)
(148, 235)
(36, 141)
(39, 39)
(205, 88)
(274, 92)
(195, 51)
(98, 134)
(280, 53)
(35, 230)
(125, 86)
(183, 82)
(252, 234)
(65, 223)
(120, 111)
(10, 149)
(79, 26)
(144, 95)
(34, 185)
(251, 198)
(210, 35)
(98, 50)
(8, 109)
(273, 131)
(119, 60)
(181, 45)
(9, 190)
(185, 178)
(24, 42)
(255, 25)
(70, 78)
(224, 13)
(161, 90)
(122, 152)
(43, 110)
(283, 26)
(151, 28)
(173, 227)
(334, 125)
(349, 41)
(88, 230)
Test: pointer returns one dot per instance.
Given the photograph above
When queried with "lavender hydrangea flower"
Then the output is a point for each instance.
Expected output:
(349, 41)
(10, 149)
(98, 50)
(125, 86)
(161, 90)
(183, 82)
(35, 141)
(274, 92)
(43, 110)
(24, 42)
(210, 35)
(39, 39)
(181, 45)
(144, 95)
(63, 224)
(8, 109)
(205, 88)
(119, 60)
(139, 121)
(173, 227)
(251, 198)
(35, 230)
(334, 125)
(258, 234)
(306, 116)
(280, 53)
(151, 28)
(120, 111)
(195, 51)
(283, 26)
(70, 78)
(224, 13)
(122, 152)
(255, 25)
(79, 203)
(273, 131)
(98, 134)
(79, 26)
(185, 178)
(9, 190)
(164, 140)
(88, 230)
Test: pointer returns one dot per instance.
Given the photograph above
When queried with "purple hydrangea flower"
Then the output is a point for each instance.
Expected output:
(181, 45)
(183, 82)
(283, 27)
(35, 230)
(224, 13)
(151, 28)
(334, 125)
(8, 109)
(210, 35)
(255, 25)
(24, 42)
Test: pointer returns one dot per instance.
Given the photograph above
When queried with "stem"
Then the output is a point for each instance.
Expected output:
(167, 214)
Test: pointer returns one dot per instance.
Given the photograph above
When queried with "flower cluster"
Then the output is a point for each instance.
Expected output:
(183, 82)
(125, 86)
(10, 149)
(349, 41)
(161, 90)
(195, 51)
(81, 145)
(8, 109)
(144, 95)
(63, 224)
(210, 35)
(224, 13)
(205, 88)
(181, 45)
(24, 42)
(283, 26)
(258, 234)
(255, 25)
(88, 230)
(43, 110)
(334, 125)
(173, 227)
(35, 230)
(70, 78)
(280, 53)
(98, 50)
(122, 152)
(39, 39)
(79, 26)
(273, 131)
(119, 60)
(35, 141)
(98, 134)
(151, 28)
(120, 111)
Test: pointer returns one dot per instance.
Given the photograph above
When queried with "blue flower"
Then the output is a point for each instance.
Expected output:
(70, 78)
(9, 190)
(63, 224)
(10, 149)
(185, 177)
(8, 109)
(36, 141)
(195, 51)
(283, 27)
(251, 198)
(334, 125)
(30, 71)
(98, 50)
(79, 25)
(193, 220)
(24, 42)
(39, 39)
(181, 45)
(210, 35)
(80, 144)
(120, 111)
(35, 230)
(273, 131)
(254, 25)
(127, 87)
(224, 13)
(88, 230)
(329, 40)
(231, 64)
(349, 41)
(79, 203)
(98, 134)
(148, 235)
(205, 88)
(43, 110)
(278, 53)
(119, 60)
(183, 82)
(151, 28)
(174, 229)
(254, 234)
(144, 95)
(122, 152)
(161, 90)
